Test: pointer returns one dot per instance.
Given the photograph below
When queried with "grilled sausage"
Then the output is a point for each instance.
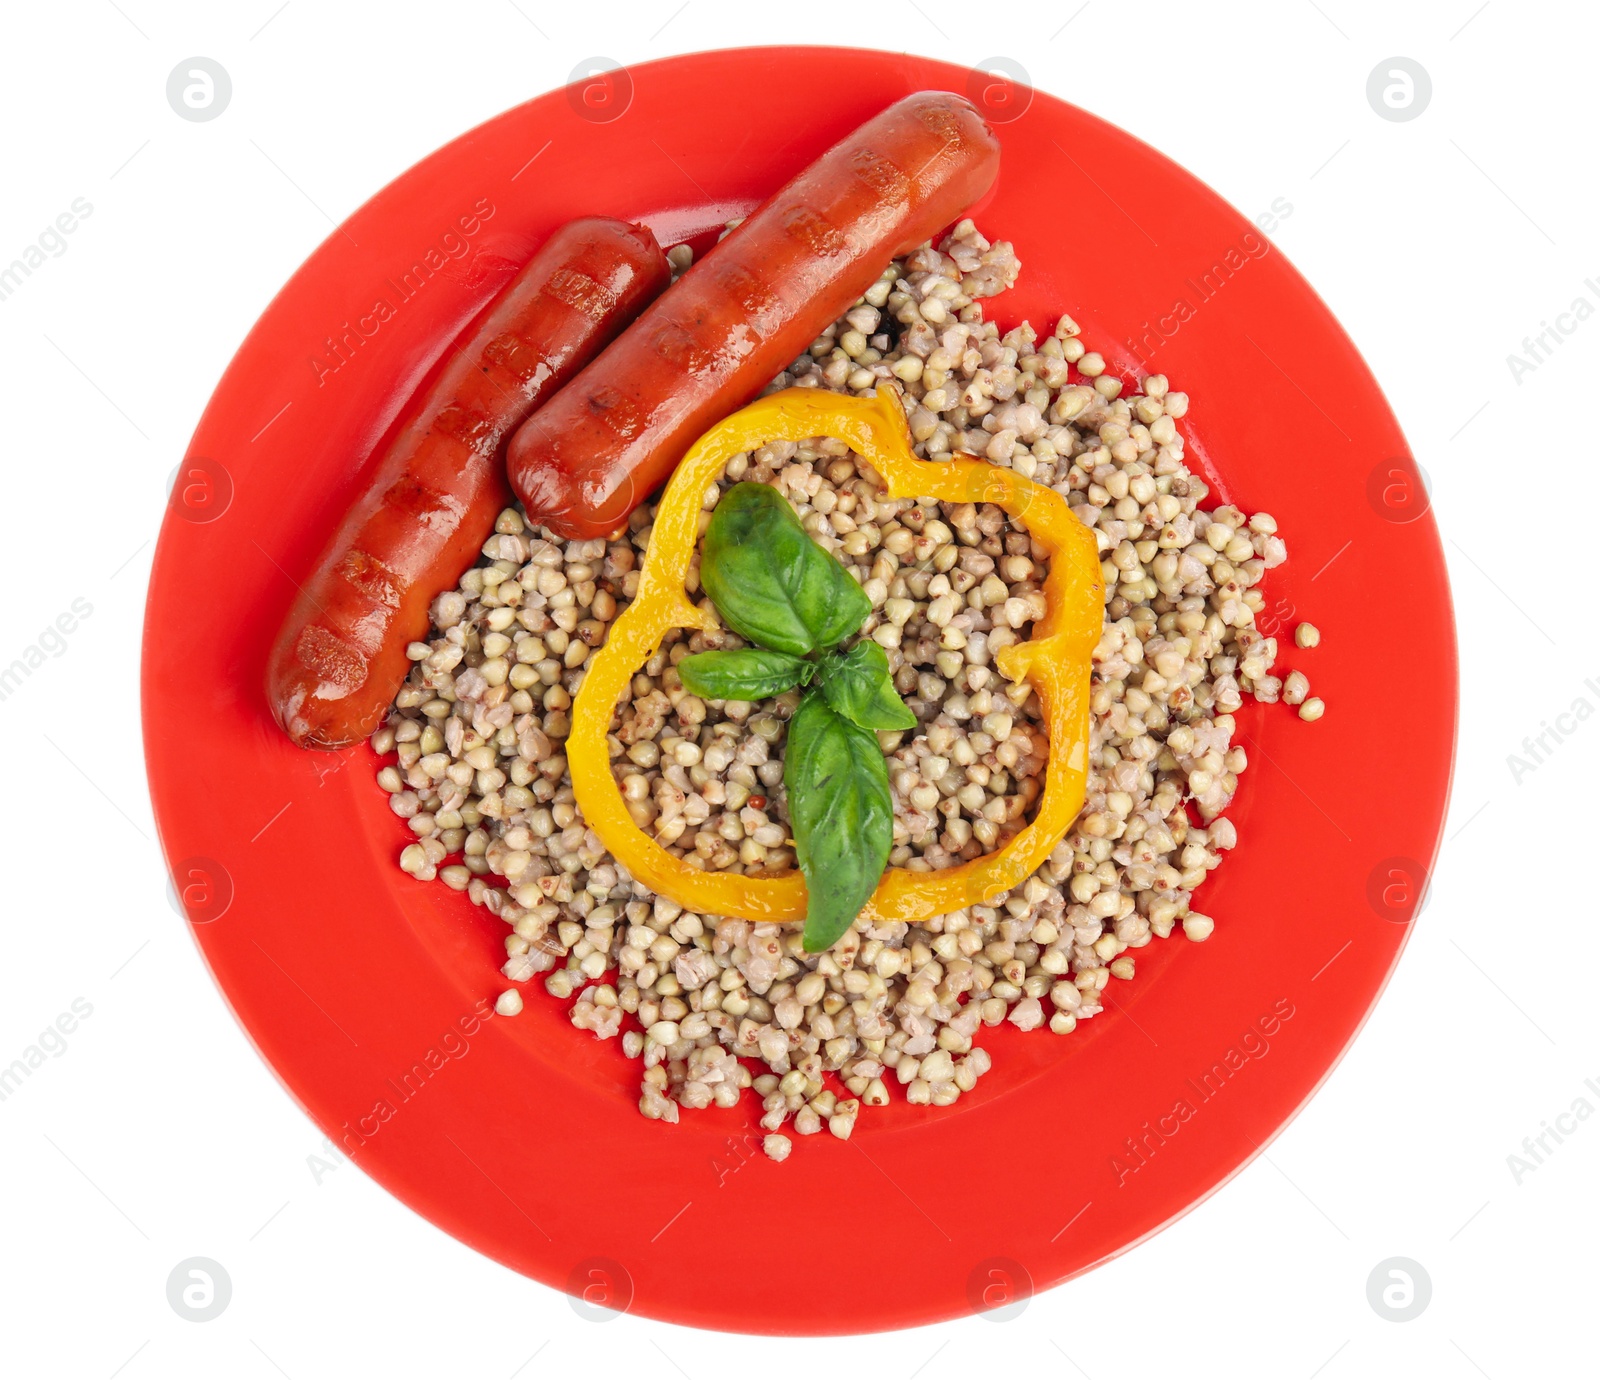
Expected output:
(435, 493)
(747, 310)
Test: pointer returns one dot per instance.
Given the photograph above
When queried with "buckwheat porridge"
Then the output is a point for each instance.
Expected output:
(477, 733)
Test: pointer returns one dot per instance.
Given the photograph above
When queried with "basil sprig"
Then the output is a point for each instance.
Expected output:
(841, 814)
(777, 588)
(770, 582)
(858, 686)
(752, 673)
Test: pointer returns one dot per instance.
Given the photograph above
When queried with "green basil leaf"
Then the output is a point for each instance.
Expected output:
(857, 685)
(750, 673)
(770, 582)
(841, 814)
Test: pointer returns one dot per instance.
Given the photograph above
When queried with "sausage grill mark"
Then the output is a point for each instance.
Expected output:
(465, 425)
(615, 410)
(365, 572)
(515, 356)
(813, 231)
(677, 345)
(881, 173)
(580, 292)
(761, 306)
(331, 660)
(941, 120)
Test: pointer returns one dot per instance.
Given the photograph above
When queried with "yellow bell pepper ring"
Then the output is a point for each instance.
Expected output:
(1055, 661)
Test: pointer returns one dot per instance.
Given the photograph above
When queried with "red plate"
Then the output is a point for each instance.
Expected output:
(359, 986)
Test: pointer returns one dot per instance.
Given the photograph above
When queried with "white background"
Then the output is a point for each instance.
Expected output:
(158, 1135)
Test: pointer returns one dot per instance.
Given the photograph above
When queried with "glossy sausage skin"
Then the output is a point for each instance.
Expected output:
(435, 493)
(714, 339)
